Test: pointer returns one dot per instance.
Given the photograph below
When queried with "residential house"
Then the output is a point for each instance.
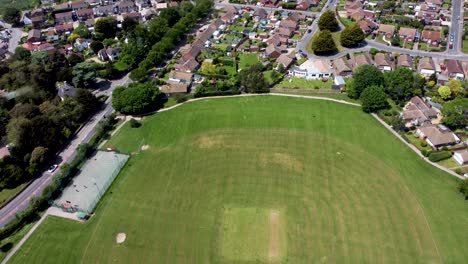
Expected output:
(368, 26)
(187, 65)
(270, 3)
(303, 5)
(229, 18)
(231, 9)
(284, 32)
(192, 53)
(454, 70)
(37, 21)
(81, 44)
(432, 38)
(93, 3)
(407, 34)
(65, 90)
(387, 30)
(105, 10)
(405, 60)
(437, 136)
(65, 17)
(177, 77)
(46, 47)
(259, 15)
(89, 23)
(289, 24)
(65, 7)
(141, 4)
(417, 112)
(342, 67)
(285, 60)
(426, 66)
(111, 54)
(126, 6)
(78, 5)
(85, 14)
(51, 35)
(174, 88)
(34, 35)
(434, 4)
(161, 6)
(277, 40)
(135, 15)
(461, 157)
(64, 29)
(312, 70)
(383, 62)
(272, 51)
(362, 59)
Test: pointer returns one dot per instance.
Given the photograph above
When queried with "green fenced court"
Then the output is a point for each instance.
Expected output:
(264, 179)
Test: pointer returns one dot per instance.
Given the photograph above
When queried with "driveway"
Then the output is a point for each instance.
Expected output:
(15, 37)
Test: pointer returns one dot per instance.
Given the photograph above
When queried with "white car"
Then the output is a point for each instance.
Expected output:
(52, 168)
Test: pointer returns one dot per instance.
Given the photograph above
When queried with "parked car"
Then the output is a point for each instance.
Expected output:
(52, 168)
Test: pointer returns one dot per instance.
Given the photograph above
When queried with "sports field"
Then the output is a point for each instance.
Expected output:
(264, 179)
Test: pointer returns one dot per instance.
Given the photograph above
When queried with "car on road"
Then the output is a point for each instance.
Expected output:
(309, 30)
(451, 45)
(52, 168)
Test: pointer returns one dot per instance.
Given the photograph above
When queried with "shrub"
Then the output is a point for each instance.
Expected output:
(459, 171)
(180, 98)
(423, 144)
(464, 188)
(438, 156)
(134, 123)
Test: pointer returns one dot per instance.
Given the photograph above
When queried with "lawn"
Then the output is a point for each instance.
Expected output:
(6, 194)
(247, 59)
(465, 46)
(305, 84)
(338, 96)
(233, 180)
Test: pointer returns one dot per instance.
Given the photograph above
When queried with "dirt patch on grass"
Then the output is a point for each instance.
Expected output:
(145, 147)
(120, 238)
(284, 160)
(274, 241)
(210, 141)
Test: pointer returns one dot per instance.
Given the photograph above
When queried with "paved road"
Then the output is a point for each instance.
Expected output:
(220, 4)
(457, 26)
(15, 37)
(84, 135)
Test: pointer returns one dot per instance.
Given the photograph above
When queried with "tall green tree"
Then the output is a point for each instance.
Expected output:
(106, 26)
(352, 36)
(323, 43)
(253, 80)
(82, 31)
(455, 113)
(84, 75)
(11, 15)
(137, 98)
(373, 98)
(327, 21)
(399, 83)
(363, 77)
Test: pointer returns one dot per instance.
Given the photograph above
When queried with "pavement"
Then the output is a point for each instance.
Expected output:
(221, 4)
(457, 26)
(35, 188)
(15, 37)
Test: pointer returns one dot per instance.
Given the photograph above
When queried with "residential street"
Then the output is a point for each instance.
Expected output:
(15, 38)
(457, 26)
(220, 4)
(84, 135)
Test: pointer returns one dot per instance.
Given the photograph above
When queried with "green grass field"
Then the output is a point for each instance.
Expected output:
(302, 83)
(264, 179)
(247, 59)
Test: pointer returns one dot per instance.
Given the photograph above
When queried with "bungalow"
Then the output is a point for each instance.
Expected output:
(34, 35)
(270, 3)
(64, 29)
(386, 30)
(180, 77)
(174, 88)
(433, 38)
(312, 70)
(368, 26)
(437, 136)
(417, 112)
(407, 34)
(277, 40)
(231, 9)
(187, 65)
(229, 18)
(426, 66)
(284, 60)
(126, 6)
(65, 90)
(405, 60)
(259, 14)
(37, 21)
(284, 32)
(461, 157)
(109, 54)
(272, 51)
(78, 5)
(362, 59)
(454, 70)
(342, 67)
(84, 14)
(383, 62)
(289, 24)
(105, 10)
(192, 53)
(63, 17)
(303, 5)
(51, 35)
(46, 47)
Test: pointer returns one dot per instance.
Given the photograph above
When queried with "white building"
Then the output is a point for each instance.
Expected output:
(312, 70)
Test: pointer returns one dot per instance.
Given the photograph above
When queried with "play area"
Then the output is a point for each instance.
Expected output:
(87, 188)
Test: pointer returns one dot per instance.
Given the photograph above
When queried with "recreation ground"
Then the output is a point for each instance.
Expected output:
(264, 179)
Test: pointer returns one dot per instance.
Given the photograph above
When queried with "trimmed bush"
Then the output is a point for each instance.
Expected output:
(438, 156)
(423, 144)
(134, 123)
(464, 188)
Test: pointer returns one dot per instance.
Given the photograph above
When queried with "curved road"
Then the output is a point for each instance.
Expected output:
(35, 188)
